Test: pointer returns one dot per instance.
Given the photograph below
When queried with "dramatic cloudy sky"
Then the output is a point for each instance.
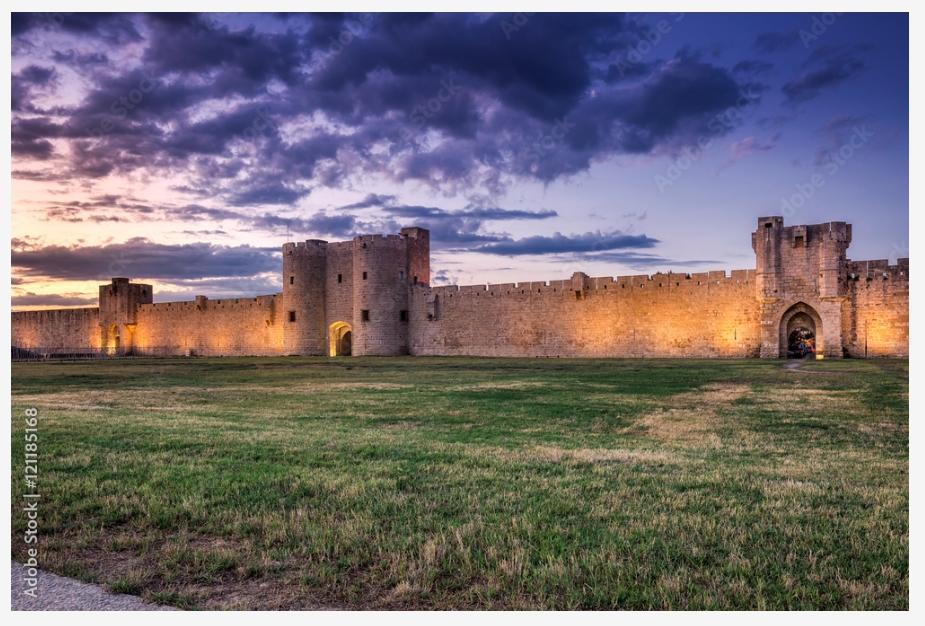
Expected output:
(183, 150)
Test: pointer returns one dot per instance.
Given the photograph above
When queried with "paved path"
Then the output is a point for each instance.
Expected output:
(57, 593)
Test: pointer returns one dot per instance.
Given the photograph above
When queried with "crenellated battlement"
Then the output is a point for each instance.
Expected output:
(601, 284)
(202, 303)
(878, 269)
(397, 239)
(304, 246)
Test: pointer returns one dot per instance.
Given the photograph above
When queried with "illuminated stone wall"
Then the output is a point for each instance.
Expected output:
(875, 316)
(666, 315)
(56, 329)
(206, 327)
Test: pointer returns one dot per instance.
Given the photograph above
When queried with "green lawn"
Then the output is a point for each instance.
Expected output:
(473, 483)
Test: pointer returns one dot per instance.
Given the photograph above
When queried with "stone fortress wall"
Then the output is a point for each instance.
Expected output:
(371, 296)
(875, 313)
(707, 314)
(57, 330)
(205, 327)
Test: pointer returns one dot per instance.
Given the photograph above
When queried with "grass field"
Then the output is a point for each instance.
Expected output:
(473, 483)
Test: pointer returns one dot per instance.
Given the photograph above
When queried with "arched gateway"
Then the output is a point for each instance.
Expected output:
(800, 332)
(340, 336)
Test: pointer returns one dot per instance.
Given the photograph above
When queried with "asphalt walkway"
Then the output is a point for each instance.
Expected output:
(57, 593)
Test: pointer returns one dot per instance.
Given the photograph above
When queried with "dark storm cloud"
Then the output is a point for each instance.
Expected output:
(684, 91)
(452, 100)
(462, 228)
(37, 75)
(825, 68)
(441, 277)
(141, 258)
(198, 44)
(115, 28)
(137, 95)
(79, 59)
(543, 68)
(206, 232)
(371, 200)
(25, 83)
(196, 213)
(268, 192)
(559, 243)
(480, 213)
(336, 225)
(37, 149)
(642, 261)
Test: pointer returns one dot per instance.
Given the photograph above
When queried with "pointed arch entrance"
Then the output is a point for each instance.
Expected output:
(112, 340)
(340, 336)
(800, 332)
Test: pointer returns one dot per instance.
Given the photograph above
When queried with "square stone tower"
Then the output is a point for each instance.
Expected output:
(801, 282)
(119, 302)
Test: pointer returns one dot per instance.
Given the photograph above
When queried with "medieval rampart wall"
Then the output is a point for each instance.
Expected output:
(56, 329)
(705, 314)
(875, 316)
(234, 326)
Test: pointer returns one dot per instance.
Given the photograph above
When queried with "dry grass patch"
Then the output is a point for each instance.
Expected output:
(496, 385)
(693, 417)
(599, 455)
